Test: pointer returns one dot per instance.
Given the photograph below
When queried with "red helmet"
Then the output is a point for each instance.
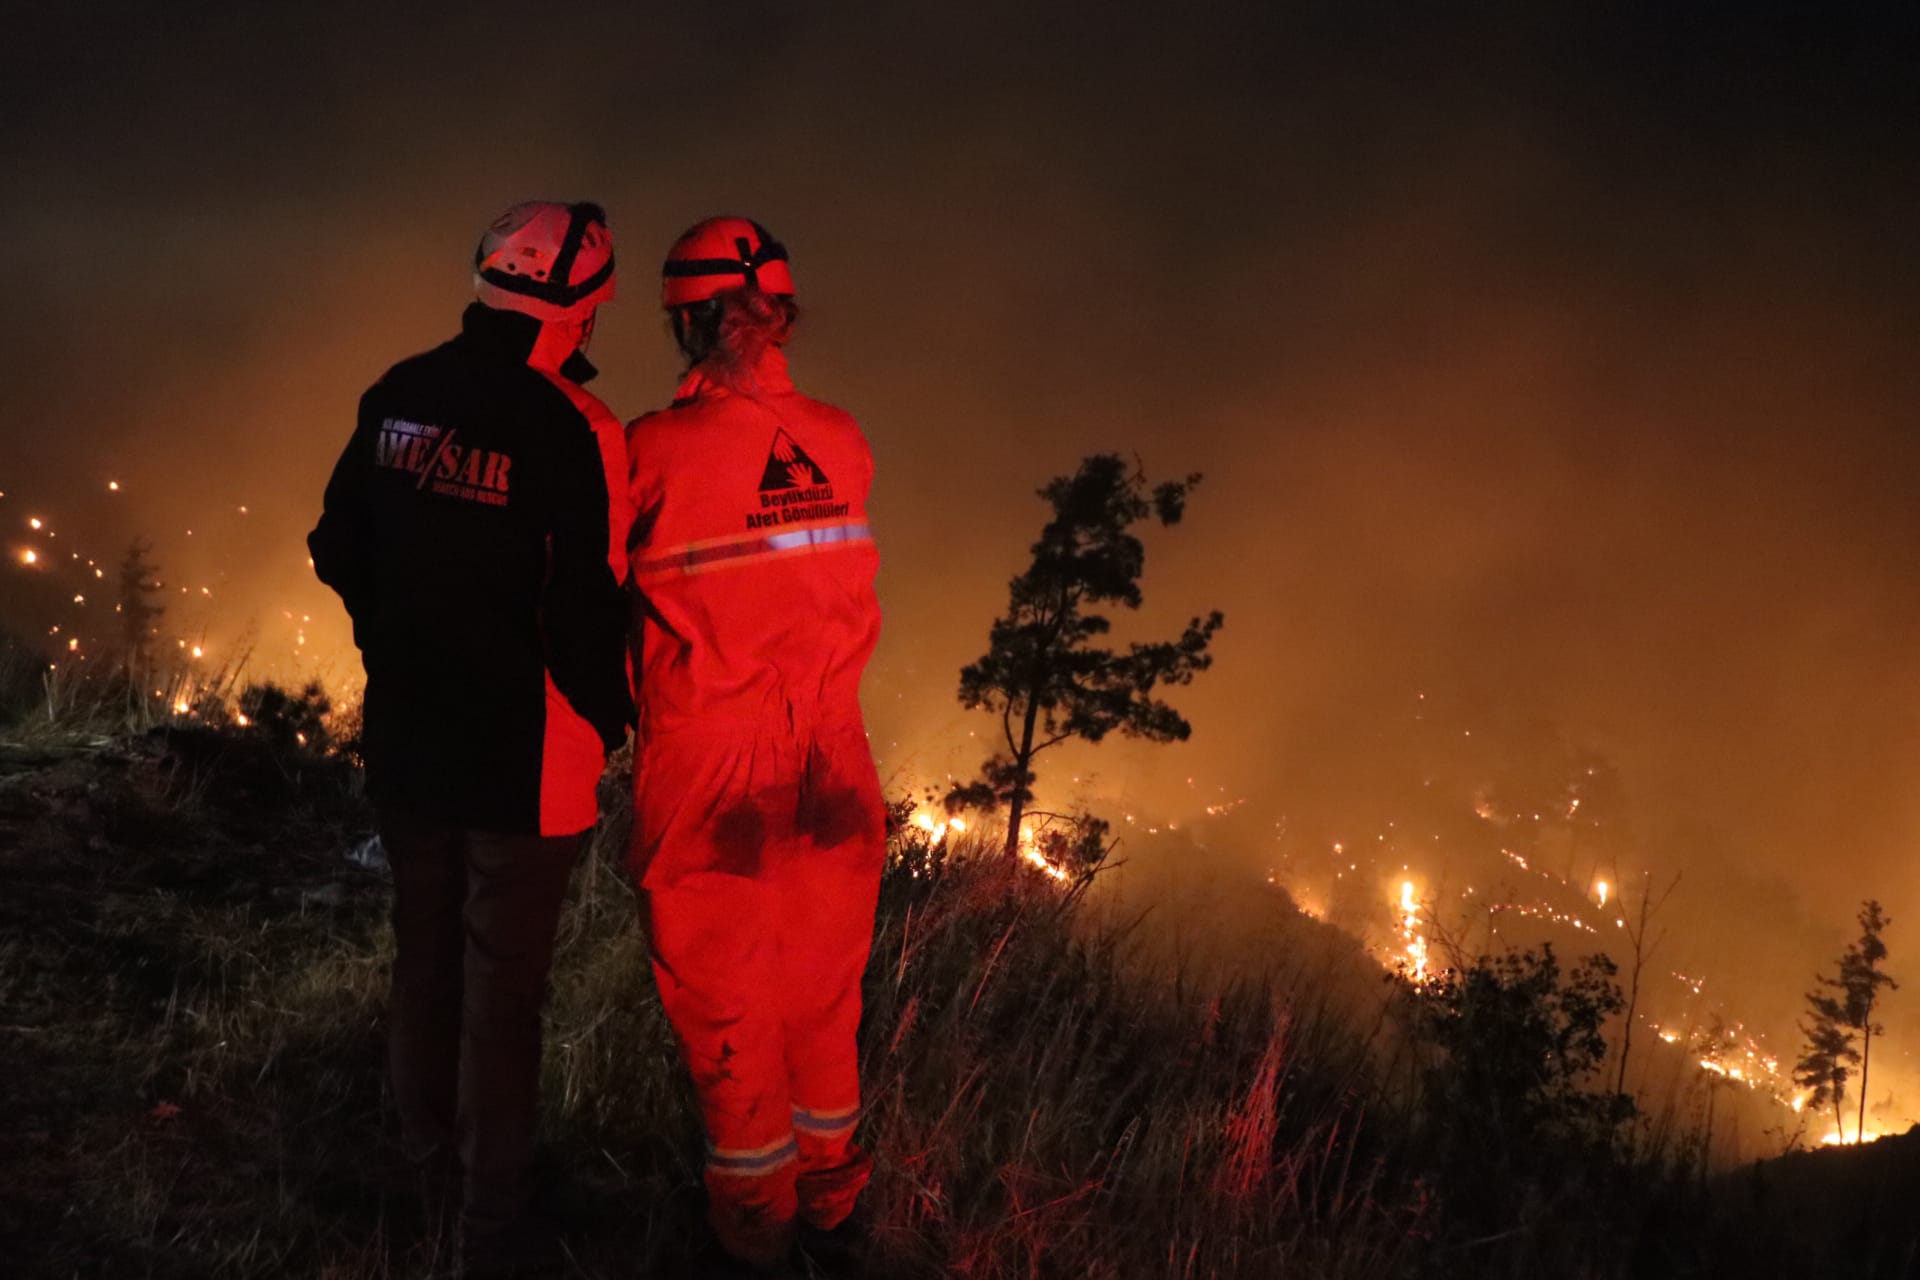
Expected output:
(721, 254)
(553, 261)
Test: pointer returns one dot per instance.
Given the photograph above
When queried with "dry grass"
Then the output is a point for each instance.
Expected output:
(193, 980)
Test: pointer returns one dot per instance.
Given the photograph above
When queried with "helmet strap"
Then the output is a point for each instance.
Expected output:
(577, 219)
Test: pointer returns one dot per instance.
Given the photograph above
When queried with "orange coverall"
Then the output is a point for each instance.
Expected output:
(759, 829)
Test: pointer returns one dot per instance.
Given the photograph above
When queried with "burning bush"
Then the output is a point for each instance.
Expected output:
(1075, 843)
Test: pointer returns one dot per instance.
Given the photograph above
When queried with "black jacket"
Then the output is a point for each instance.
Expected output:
(468, 529)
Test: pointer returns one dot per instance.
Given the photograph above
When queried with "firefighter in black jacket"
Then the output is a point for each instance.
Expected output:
(475, 528)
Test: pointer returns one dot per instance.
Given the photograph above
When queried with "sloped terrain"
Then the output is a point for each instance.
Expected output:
(1834, 1211)
(192, 974)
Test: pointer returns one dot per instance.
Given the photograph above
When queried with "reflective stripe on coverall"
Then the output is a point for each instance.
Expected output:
(759, 829)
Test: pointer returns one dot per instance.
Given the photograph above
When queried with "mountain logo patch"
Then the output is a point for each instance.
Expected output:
(793, 488)
(789, 467)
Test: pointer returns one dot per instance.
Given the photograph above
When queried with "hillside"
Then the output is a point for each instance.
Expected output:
(193, 980)
(1838, 1211)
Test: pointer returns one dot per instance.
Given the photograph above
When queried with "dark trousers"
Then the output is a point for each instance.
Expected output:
(474, 917)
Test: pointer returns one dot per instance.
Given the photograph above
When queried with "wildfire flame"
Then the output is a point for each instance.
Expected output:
(1835, 1140)
(938, 828)
(1414, 942)
(1034, 857)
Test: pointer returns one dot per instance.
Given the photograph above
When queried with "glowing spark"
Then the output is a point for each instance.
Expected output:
(79, 599)
(113, 486)
(33, 522)
(73, 644)
(181, 706)
(196, 651)
(1602, 887)
(29, 557)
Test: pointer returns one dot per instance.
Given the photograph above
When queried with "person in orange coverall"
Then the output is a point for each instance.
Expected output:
(759, 828)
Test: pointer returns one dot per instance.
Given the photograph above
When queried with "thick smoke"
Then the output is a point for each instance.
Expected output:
(1558, 370)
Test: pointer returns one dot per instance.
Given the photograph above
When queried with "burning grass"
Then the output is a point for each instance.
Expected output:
(194, 984)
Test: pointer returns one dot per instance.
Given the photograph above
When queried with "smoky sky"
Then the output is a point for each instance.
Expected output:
(1557, 365)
